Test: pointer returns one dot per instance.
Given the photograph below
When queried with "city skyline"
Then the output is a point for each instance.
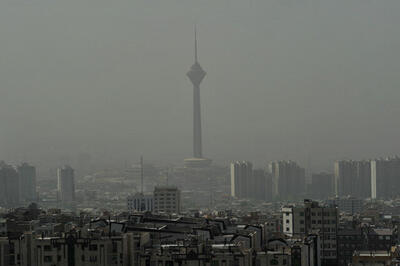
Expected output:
(284, 153)
(284, 82)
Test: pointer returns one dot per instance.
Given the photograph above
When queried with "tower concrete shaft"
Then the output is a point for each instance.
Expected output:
(196, 74)
(197, 145)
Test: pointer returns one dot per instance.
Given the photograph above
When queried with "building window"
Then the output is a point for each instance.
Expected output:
(274, 262)
(114, 247)
(215, 263)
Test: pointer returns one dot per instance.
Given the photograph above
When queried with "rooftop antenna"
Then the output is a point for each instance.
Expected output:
(141, 174)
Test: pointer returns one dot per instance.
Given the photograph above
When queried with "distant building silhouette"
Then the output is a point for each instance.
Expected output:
(27, 181)
(385, 178)
(248, 183)
(288, 179)
(352, 178)
(241, 178)
(345, 176)
(9, 185)
(322, 186)
(363, 189)
(262, 185)
(66, 185)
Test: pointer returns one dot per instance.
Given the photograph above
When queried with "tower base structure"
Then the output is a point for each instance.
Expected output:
(197, 162)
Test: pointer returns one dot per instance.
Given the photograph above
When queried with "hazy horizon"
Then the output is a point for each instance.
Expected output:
(306, 80)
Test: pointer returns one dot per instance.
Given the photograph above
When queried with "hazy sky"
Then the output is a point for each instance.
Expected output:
(308, 80)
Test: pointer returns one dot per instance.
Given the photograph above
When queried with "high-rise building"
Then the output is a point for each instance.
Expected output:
(196, 75)
(385, 178)
(261, 188)
(27, 182)
(288, 179)
(363, 181)
(352, 178)
(241, 178)
(248, 183)
(9, 186)
(66, 184)
(322, 185)
(345, 173)
(167, 199)
(313, 218)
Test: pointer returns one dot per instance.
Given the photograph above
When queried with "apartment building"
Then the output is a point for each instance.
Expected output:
(299, 221)
(167, 199)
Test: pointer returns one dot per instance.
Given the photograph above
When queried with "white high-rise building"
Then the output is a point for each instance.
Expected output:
(66, 184)
(167, 199)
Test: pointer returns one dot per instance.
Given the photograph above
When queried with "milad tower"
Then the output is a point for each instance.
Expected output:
(196, 75)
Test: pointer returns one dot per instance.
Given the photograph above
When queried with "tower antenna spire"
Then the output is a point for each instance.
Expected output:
(195, 43)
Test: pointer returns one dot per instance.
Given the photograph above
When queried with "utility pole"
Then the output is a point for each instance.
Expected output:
(141, 175)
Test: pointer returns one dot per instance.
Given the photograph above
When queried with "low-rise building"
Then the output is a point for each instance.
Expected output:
(167, 199)
(140, 203)
(348, 204)
(372, 257)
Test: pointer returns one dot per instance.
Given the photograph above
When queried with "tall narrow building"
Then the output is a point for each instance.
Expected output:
(27, 182)
(9, 186)
(385, 178)
(345, 174)
(288, 180)
(322, 186)
(241, 177)
(196, 75)
(66, 185)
